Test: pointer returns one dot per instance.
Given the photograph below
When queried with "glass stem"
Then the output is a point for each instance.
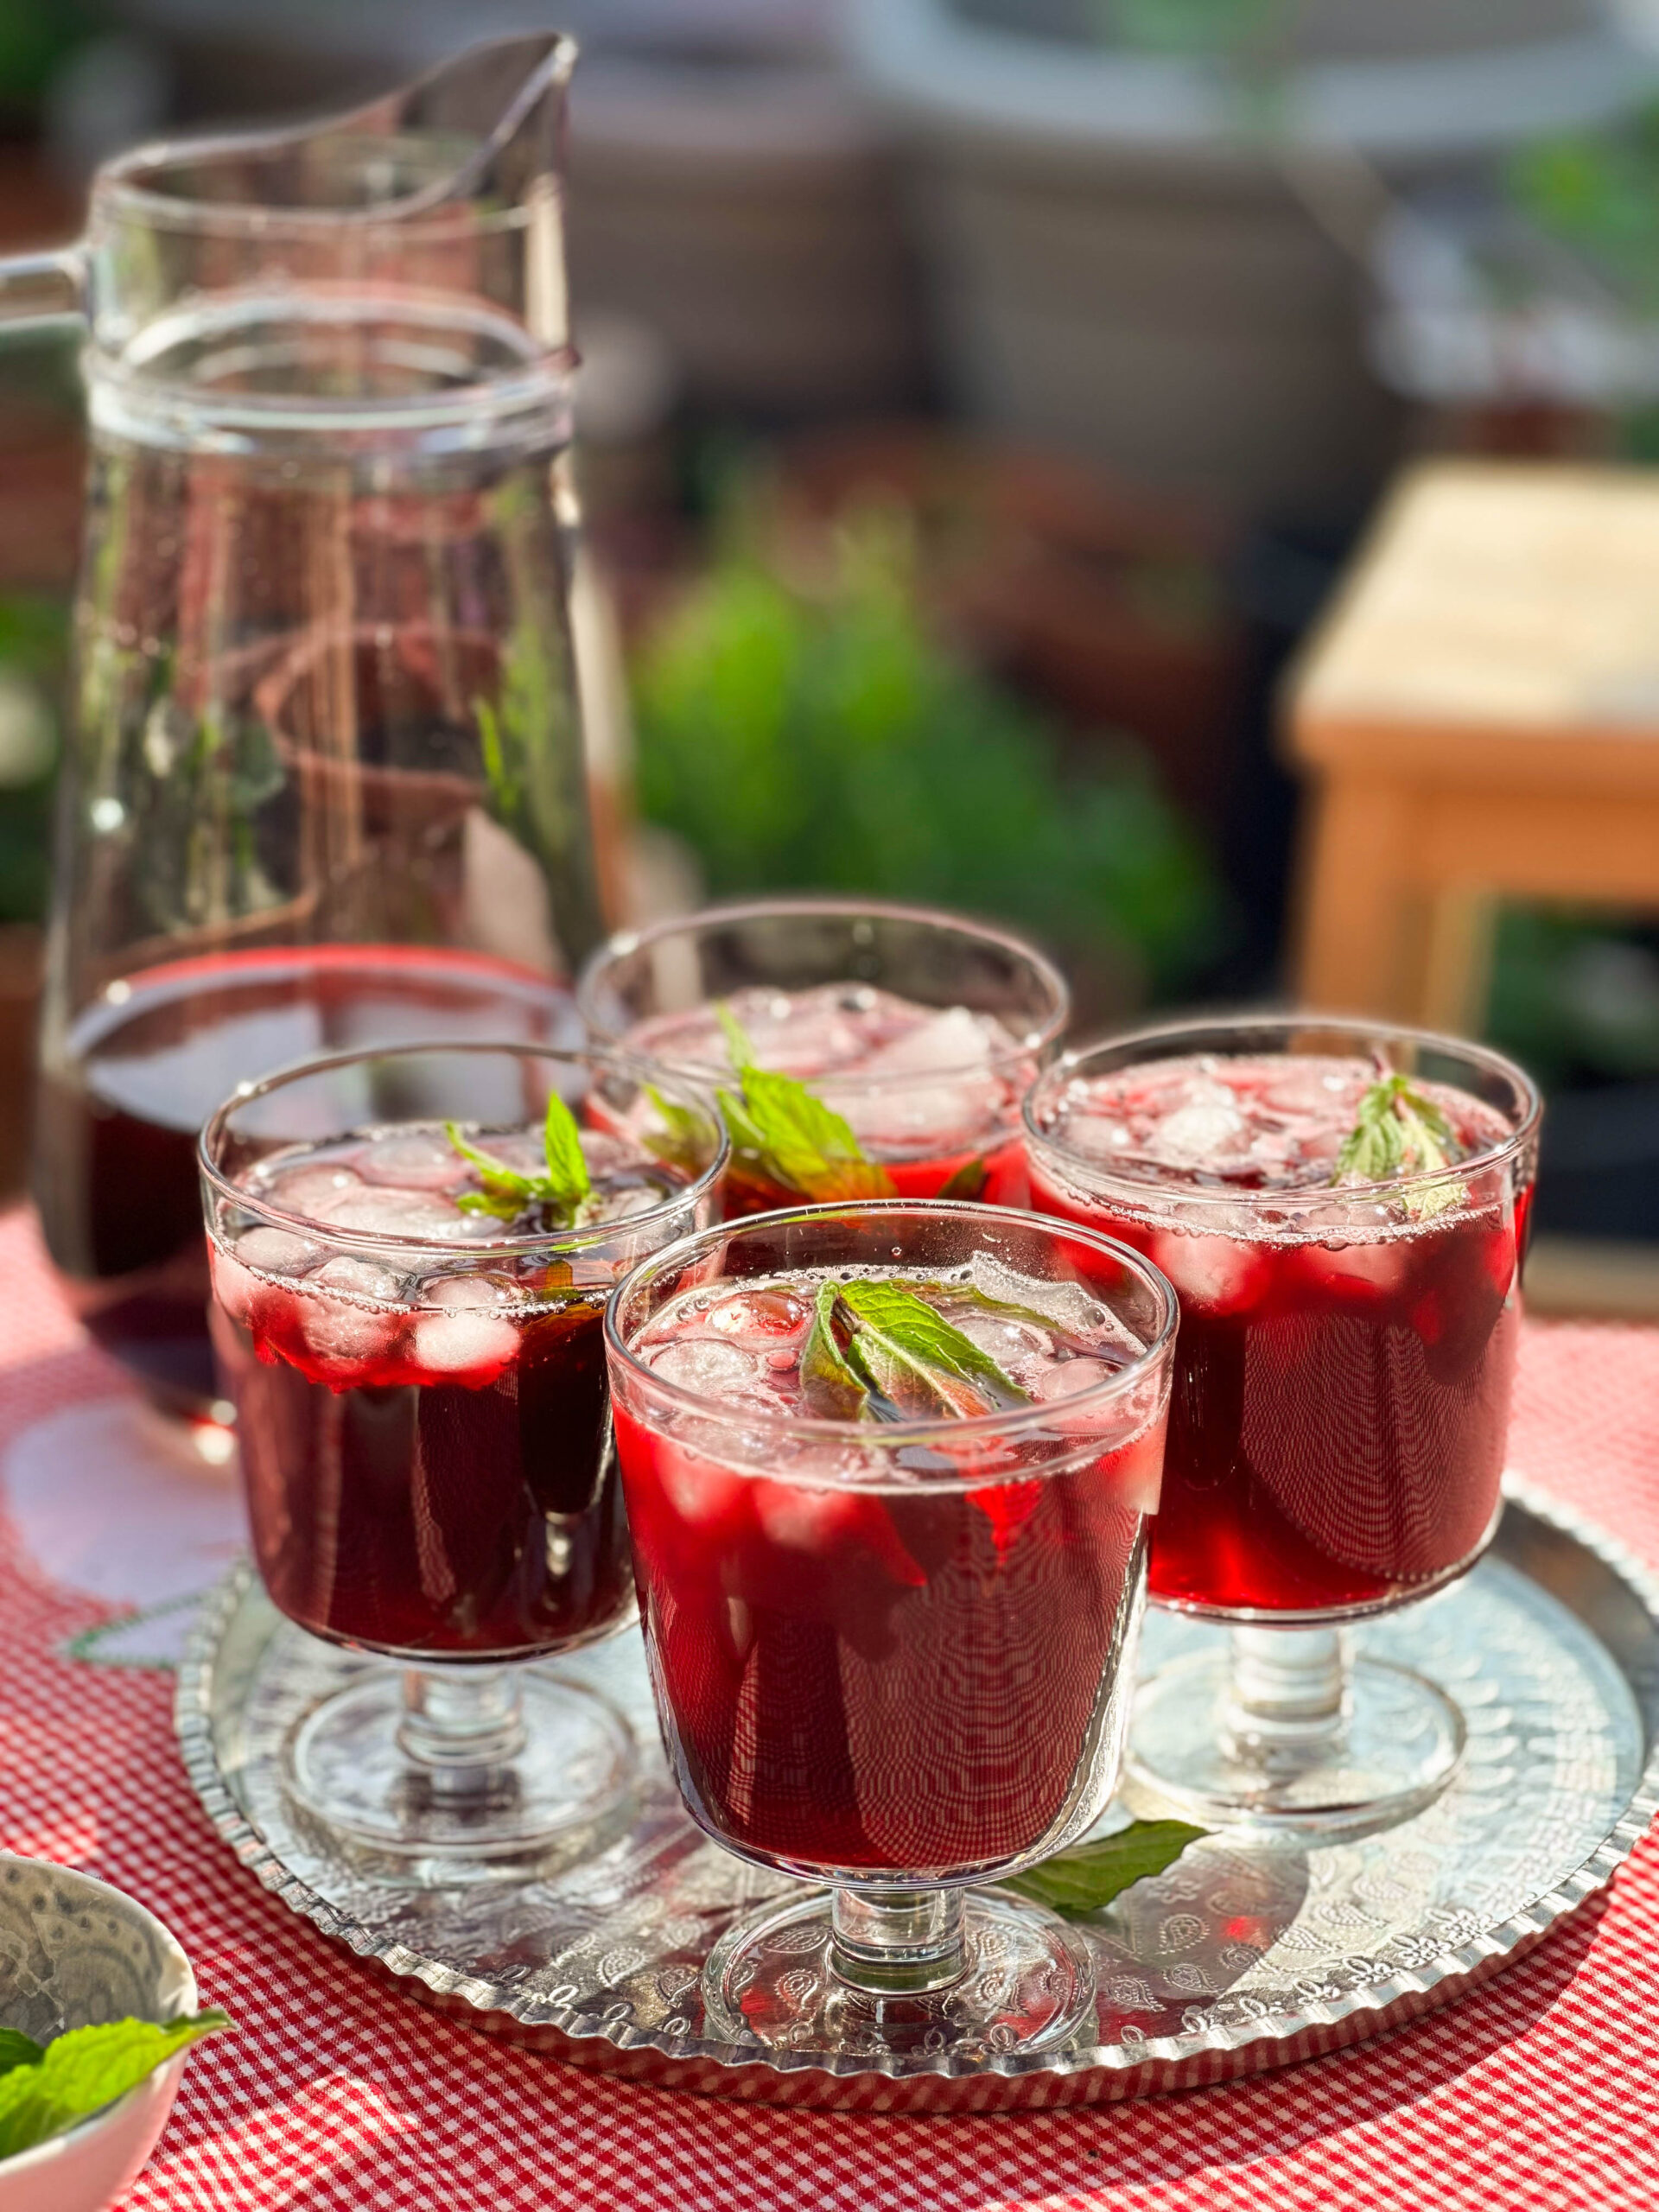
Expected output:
(897, 1942)
(458, 1721)
(1287, 1704)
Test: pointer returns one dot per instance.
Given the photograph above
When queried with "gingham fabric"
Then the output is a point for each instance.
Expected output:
(338, 2095)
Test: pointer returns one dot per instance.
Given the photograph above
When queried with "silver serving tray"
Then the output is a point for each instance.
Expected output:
(1243, 1956)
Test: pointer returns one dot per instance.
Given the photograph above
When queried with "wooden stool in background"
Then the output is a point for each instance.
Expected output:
(1478, 718)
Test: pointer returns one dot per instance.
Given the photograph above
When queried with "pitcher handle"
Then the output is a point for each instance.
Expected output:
(42, 288)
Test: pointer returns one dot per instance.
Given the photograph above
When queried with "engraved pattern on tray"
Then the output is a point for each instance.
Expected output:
(1244, 1953)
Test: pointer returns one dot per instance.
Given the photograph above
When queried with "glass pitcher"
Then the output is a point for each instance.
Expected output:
(325, 782)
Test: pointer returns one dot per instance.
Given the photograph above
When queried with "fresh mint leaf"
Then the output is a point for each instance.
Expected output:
(81, 2072)
(567, 1182)
(783, 1135)
(1081, 1881)
(18, 2049)
(904, 1350)
(968, 1182)
(566, 1186)
(1397, 1131)
(503, 1205)
(737, 1037)
(829, 1387)
(497, 1174)
(683, 1141)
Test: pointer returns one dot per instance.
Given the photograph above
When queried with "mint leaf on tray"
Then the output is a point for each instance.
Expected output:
(1082, 1881)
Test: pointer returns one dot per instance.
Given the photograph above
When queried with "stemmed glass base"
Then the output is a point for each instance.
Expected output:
(1285, 1731)
(462, 1772)
(874, 1972)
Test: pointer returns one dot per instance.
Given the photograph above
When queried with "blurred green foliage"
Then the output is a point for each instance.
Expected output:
(1598, 191)
(821, 738)
(1575, 996)
(35, 35)
(34, 645)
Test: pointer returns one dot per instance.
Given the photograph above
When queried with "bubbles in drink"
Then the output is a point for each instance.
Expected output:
(359, 1278)
(274, 1251)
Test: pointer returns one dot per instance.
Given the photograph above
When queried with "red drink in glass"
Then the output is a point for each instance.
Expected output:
(891, 1625)
(920, 1032)
(416, 1347)
(795, 1624)
(123, 1095)
(1346, 1353)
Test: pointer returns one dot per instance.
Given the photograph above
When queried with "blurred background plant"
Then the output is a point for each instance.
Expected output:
(800, 727)
(33, 646)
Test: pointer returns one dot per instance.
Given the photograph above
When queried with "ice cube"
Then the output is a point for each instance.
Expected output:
(385, 1211)
(1207, 1130)
(606, 1155)
(1058, 1381)
(606, 1207)
(1374, 1267)
(707, 1365)
(1067, 1304)
(698, 1490)
(412, 1160)
(523, 1150)
(889, 1112)
(303, 1190)
(1212, 1274)
(760, 1320)
(478, 1344)
(234, 1286)
(1105, 1137)
(341, 1335)
(361, 1278)
(274, 1252)
(953, 1043)
(482, 1292)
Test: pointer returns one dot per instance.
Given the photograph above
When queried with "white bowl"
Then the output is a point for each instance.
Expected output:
(73, 1951)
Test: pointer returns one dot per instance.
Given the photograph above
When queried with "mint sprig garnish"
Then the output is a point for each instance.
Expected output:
(79, 2073)
(683, 1141)
(1082, 1881)
(875, 1351)
(783, 1135)
(830, 1387)
(507, 1192)
(1397, 1131)
(968, 1182)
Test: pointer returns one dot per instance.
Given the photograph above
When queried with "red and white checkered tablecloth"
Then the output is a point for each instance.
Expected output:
(338, 2095)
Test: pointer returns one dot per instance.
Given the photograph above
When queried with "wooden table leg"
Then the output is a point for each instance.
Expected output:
(1354, 937)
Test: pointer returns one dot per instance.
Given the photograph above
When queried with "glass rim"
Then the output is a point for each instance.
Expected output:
(890, 1436)
(551, 1240)
(624, 943)
(1146, 1190)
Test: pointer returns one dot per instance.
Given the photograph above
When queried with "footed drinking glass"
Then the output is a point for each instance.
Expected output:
(921, 1030)
(892, 1655)
(417, 1357)
(1343, 1379)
